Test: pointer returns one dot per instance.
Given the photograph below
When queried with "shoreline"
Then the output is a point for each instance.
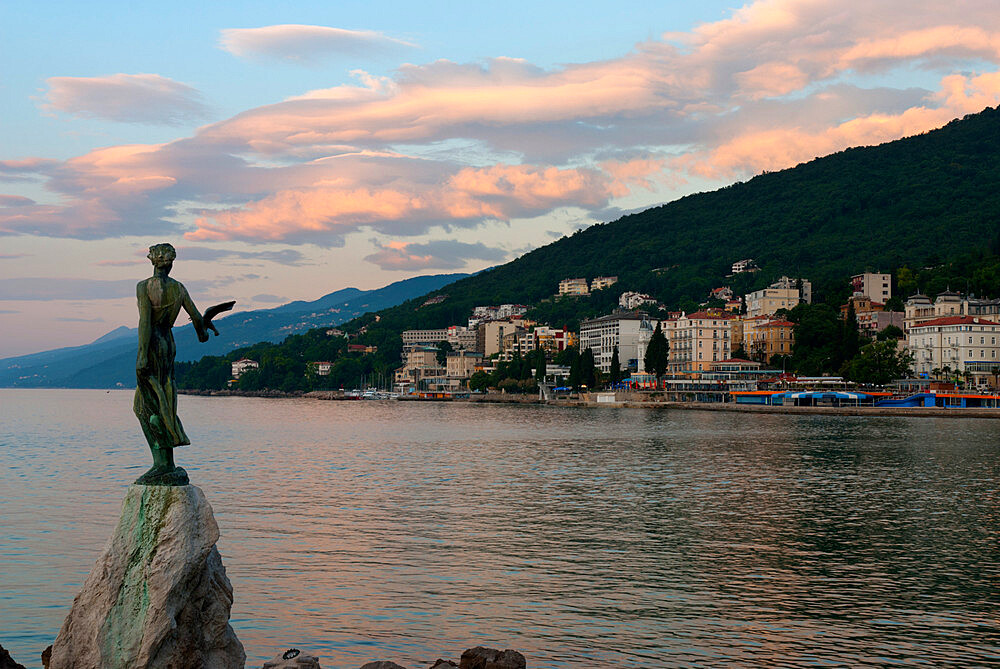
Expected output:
(634, 403)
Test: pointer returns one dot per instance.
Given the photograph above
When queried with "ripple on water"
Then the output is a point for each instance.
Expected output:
(584, 538)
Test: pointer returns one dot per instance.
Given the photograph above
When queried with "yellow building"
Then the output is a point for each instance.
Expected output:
(698, 339)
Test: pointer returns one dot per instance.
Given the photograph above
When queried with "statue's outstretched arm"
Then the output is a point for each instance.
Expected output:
(145, 328)
(196, 319)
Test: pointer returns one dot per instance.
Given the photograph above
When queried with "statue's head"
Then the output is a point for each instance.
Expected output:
(162, 255)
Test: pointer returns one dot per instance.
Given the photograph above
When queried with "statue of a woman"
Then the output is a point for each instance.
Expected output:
(160, 299)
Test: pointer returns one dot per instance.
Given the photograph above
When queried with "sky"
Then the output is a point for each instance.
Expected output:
(290, 149)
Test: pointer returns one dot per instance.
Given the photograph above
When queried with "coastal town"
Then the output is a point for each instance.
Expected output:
(732, 349)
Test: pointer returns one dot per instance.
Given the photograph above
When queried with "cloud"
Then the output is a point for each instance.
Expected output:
(129, 98)
(13, 256)
(289, 257)
(269, 299)
(15, 201)
(44, 288)
(79, 320)
(304, 43)
(441, 254)
(9, 311)
(442, 144)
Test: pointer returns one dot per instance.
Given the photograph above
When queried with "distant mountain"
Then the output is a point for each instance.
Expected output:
(109, 361)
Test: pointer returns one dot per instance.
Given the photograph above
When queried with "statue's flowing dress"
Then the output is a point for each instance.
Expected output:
(155, 402)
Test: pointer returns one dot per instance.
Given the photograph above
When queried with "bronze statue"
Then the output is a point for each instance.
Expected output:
(160, 299)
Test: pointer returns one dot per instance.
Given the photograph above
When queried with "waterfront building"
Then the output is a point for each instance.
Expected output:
(573, 287)
(875, 286)
(420, 366)
(771, 338)
(602, 282)
(242, 365)
(699, 339)
(919, 308)
(962, 344)
(622, 329)
(462, 364)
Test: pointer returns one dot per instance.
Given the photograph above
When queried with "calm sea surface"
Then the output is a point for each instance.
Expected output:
(582, 537)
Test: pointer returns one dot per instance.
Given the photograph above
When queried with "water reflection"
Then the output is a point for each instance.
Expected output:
(583, 537)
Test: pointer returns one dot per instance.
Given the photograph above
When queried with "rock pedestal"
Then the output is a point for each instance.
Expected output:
(158, 596)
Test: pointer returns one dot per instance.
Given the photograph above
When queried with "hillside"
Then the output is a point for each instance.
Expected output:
(917, 201)
(926, 202)
(110, 360)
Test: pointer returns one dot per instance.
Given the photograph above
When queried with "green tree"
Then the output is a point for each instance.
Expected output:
(444, 348)
(878, 363)
(657, 354)
(588, 369)
(479, 381)
(616, 368)
(850, 338)
(890, 332)
(539, 364)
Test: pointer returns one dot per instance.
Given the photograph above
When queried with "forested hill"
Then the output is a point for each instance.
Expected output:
(916, 201)
(929, 203)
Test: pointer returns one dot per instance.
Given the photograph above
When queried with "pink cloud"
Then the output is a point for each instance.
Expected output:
(764, 89)
(779, 148)
(130, 98)
(303, 43)
(500, 192)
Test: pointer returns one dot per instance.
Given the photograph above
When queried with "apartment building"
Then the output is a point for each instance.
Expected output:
(699, 339)
(629, 331)
(873, 285)
(573, 287)
(785, 293)
(489, 335)
(602, 282)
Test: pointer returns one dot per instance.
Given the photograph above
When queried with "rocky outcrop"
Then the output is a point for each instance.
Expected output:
(158, 597)
(7, 662)
(293, 658)
(481, 657)
(382, 664)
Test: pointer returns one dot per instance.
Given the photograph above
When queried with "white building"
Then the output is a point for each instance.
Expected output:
(242, 365)
(573, 287)
(458, 336)
(920, 308)
(746, 265)
(626, 330)
(873, 285)
(322, 367)
(960, 343)
(631, 300)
